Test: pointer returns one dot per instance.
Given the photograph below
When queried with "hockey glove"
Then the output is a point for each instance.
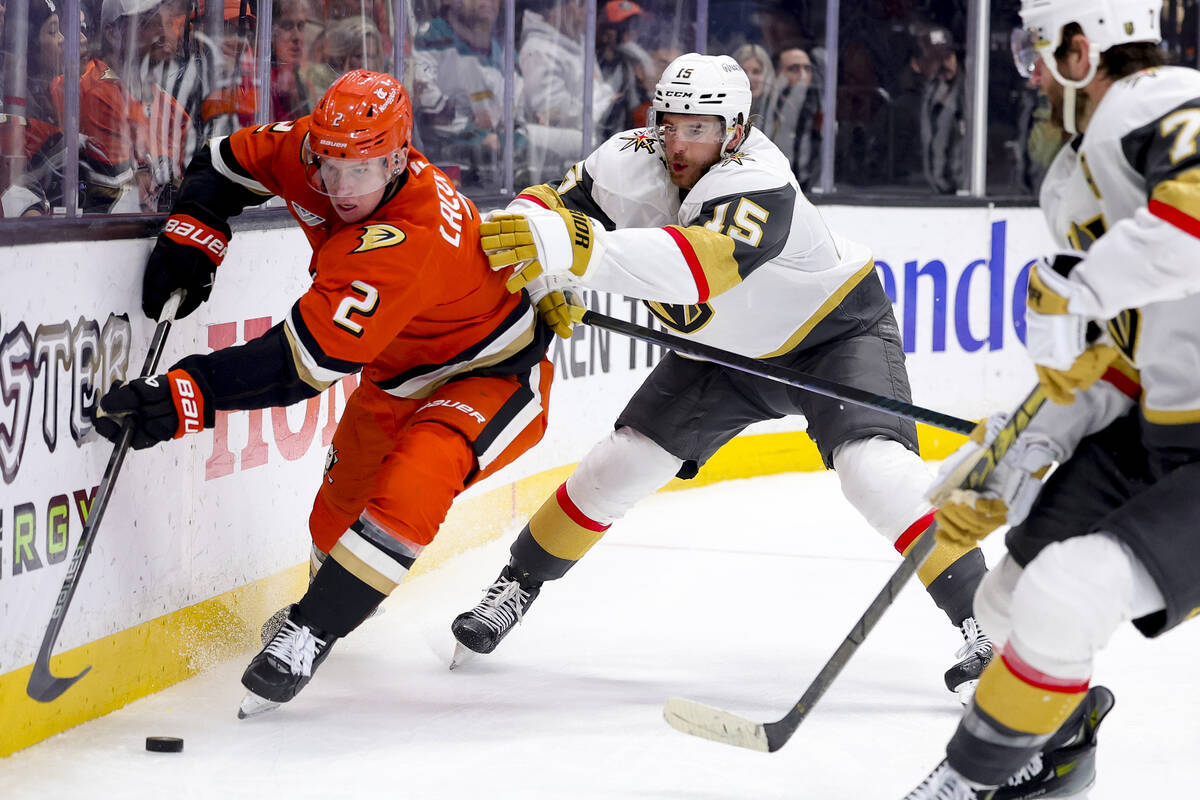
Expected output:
(538, 242)
(964, 516)
(1057, 340)
(162, 407)
(557, 302)
(186, 256)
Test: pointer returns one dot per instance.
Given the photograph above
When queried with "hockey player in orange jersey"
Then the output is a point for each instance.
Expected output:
(455, 380)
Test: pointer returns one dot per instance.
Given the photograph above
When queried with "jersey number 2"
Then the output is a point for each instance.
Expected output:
(365, 305)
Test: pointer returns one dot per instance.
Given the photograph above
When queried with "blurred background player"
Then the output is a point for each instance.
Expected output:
(455, 381)
(702, 218)
(1112, 535)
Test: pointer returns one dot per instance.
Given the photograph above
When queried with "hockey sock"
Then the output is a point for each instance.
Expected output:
(337, 600)
(557, 536)
(1015, 711)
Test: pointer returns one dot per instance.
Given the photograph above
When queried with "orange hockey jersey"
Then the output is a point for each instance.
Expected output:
(406, 295)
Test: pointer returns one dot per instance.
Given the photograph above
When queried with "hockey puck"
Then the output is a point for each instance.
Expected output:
(164, 744)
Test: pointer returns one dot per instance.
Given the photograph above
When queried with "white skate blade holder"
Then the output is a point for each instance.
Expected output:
(253, 706)
(462, 654)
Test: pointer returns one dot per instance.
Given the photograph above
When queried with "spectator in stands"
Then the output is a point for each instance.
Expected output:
(346, 44)
(794, 114)
(756, 63)
(943, 109)
(133, 133)
(32, 145)
(460, 111)
(658, 56)
(550, 57)
(291, 96)
(620, 59)
(230, 103)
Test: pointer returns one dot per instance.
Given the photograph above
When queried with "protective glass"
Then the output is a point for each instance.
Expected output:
(700, 130)
(1024, 51)
(344, 177)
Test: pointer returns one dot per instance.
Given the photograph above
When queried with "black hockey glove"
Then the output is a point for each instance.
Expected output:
(162, 407)
(186, 256)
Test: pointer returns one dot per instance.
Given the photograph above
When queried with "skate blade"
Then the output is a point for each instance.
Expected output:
(253, 705)
(966, 691)
(462, 654)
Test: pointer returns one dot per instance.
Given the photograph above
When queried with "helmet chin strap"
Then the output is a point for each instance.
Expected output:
(1070, 87)
(1069, 122)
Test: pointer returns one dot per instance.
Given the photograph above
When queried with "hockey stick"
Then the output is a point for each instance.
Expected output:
(43, 685)
(698, 719)
(763, 369)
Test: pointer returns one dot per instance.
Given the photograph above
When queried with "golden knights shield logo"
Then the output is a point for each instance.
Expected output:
(685, 319)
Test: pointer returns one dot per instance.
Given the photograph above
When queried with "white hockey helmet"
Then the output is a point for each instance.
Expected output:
(696, 84)
(1106, 23)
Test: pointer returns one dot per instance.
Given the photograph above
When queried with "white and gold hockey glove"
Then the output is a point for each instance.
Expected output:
(557, 303)
(1057, 338)
(964, 516)
(538, 242)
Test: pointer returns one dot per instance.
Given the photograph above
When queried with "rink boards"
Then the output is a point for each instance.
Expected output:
(204, 537)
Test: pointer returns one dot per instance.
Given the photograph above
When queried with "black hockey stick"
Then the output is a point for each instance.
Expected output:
(698, 719)
(763, 369)
(44, 686)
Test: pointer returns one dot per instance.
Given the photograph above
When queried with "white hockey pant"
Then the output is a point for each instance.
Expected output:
(1063, 607)
(885, 481)
(617, 472)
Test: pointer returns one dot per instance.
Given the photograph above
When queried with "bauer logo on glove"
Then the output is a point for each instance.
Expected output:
(159, 408)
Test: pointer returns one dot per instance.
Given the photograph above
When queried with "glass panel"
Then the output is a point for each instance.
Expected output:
(780, 46)
(1022, 141)
(456, 79)
(901, 110)
(31, 139)
(354, 34)
(1181, 31)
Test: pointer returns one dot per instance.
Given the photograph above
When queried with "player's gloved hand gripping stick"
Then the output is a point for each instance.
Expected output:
(43, 685)
(727, 728)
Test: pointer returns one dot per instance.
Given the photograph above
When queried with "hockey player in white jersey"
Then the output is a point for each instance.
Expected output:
(1112, 535)
(699, 215)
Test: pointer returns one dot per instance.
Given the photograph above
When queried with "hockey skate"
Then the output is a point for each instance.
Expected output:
(502, 607)
(974, 656)
(284, 666)
(1065, 769)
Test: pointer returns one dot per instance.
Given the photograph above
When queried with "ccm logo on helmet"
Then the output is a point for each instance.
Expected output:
(193, 233)
(677, 94)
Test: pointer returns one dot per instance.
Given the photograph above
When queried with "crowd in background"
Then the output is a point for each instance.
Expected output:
(159, 77)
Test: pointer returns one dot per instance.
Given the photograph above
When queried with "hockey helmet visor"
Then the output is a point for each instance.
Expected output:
(689, 128)
(344, 177)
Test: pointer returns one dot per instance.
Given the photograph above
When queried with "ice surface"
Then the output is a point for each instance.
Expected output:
(733, 594)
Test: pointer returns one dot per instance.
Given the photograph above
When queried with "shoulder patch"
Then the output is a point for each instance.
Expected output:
(640, 140)
(737, 158)
(306, 216)
(379, 235)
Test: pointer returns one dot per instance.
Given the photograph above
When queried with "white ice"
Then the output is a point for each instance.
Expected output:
(733, 594)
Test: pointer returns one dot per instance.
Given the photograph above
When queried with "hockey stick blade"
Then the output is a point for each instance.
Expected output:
(700, 720)
(707, 722)
(44, 686)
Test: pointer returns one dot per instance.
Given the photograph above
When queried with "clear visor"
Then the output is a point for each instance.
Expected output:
(345, 177)
(1024, 51)
(700, 130)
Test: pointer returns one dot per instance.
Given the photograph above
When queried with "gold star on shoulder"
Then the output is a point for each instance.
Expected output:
(639, 140)
(737, 158)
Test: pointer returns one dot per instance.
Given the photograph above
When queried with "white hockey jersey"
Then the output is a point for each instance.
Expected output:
(744, 262)
(1128, 193)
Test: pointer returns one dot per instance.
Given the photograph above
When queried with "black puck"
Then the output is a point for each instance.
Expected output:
(164, 744)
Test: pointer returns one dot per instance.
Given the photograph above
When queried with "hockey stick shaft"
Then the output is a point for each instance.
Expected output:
(43, 685)
(722, 726)
(774, 372)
